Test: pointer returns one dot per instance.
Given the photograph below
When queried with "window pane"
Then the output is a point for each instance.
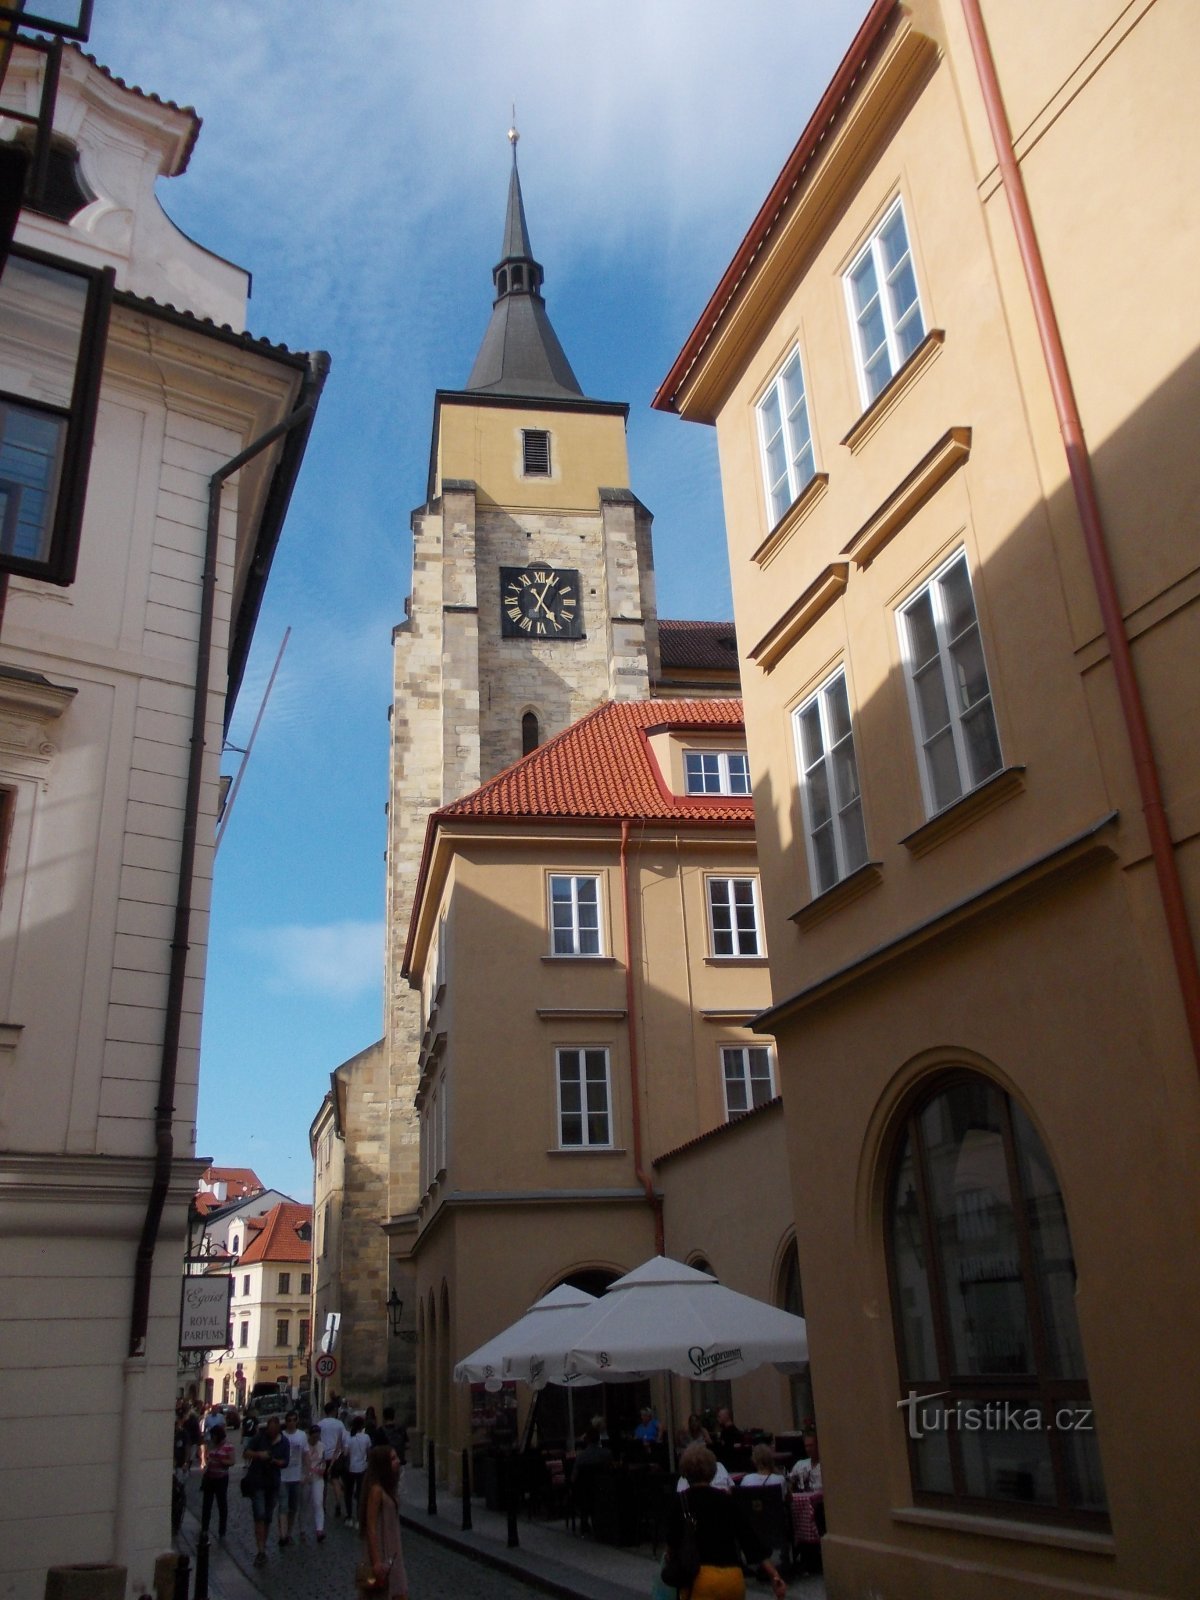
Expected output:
(976, 1233)
(934, 1472)
(826, 857)
(1081, 1452)
(42, 312)
(739, 773)
(31, 446)
(812, 746)
(819, 808)
(922, 634)
(983, 743)
(931, 699)
(854, 837)
(572, 1129)
(1007, 1463)
(967, 669)
(911, 1272)
(942, 765)
(957, 599)
(1051, 1239)
(837, 709)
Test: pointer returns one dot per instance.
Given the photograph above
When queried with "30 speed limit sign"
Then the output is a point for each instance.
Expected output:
(325, 1366)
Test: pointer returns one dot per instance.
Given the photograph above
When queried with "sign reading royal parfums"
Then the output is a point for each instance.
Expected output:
(204, 1313)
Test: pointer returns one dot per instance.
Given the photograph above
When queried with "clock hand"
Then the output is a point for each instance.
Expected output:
(540, 600)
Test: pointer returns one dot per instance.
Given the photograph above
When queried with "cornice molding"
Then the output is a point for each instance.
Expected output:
(800, 616)
(938, 464)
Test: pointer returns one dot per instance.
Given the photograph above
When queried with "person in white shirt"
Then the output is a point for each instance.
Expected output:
(806, 1474)
(357, 1451)
(291, 1477)
(764, 1475)
(721, 1480)
(334, 1440)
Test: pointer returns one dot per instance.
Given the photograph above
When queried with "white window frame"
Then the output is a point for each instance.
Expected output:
(959, 714)
(747, 1078)
(895, 320)
(840, 806)
(736, 933)
(795, 429)
(724, 772)
(575, 927)
(582, 1052)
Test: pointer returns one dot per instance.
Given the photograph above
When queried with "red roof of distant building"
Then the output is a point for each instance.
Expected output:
(602, 768)
(708, 645)
(239, 1182)
(277, 1235)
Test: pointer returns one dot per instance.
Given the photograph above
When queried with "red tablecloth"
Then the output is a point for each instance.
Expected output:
(804, 1516)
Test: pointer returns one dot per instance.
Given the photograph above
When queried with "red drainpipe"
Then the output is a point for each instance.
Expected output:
(653, 1200)
(1079, 465)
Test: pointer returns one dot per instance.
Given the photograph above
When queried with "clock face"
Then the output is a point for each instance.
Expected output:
(540, 602)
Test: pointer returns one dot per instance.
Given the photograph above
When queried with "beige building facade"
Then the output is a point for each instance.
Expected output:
(976, 907)
(616, 1028)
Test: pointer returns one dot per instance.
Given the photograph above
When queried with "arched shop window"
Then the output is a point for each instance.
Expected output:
(994, 1390)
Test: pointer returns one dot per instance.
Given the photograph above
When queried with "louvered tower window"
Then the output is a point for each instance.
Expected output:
(536, 445)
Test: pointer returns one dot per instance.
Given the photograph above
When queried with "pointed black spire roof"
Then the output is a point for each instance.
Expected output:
(520, 353)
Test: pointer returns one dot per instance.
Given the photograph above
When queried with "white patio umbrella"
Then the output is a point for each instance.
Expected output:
(664, 1316)
(515, 1352)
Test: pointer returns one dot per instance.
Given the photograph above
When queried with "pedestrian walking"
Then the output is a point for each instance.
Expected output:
(267, 1454)
(314, 1481)
(380, 1519)
(334, 1440)
(219, 1456)
(291, 1478)
(357, 1451)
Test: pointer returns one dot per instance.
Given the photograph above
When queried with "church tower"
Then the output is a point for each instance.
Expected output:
(532, 603)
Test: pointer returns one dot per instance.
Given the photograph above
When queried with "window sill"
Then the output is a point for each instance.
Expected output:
(735, 961)
(585, 1150)
(811, 495)
(894, 391)
(1052, 1534)
(607, 961)
(842, 893)
(961, 813)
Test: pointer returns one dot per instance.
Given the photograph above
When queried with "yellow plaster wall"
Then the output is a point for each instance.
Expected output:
(483, 443)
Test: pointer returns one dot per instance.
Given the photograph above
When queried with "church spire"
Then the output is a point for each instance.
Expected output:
(520, 354)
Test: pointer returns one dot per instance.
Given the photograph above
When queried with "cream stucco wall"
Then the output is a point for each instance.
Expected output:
(1020, 933)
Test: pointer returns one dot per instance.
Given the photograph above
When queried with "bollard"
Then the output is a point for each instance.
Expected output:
(431, 1474)
(466, 1491)
(182, 1574)
(201, 1590)
(510, 1499)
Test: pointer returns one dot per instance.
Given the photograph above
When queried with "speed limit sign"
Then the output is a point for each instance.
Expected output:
(325, 1366)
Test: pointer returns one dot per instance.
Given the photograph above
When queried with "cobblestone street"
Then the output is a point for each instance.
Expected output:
(442, 1562)
(306, 1570)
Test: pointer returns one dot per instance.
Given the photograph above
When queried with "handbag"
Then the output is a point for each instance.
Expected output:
(365, 1580)
(250, 1480)
(680, 1568)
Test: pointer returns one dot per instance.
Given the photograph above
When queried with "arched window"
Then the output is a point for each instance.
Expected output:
(531, 733)
(994, 1395)
(791, 1298)
(237, 1245)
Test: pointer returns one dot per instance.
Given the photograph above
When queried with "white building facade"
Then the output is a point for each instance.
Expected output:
(114, 683)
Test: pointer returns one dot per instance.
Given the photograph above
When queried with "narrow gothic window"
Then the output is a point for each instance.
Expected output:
(536, 447)
(531, 734)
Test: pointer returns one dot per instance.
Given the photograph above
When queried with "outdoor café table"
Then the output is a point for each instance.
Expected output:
(804, 1515)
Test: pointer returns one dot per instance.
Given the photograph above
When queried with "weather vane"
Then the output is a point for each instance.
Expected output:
(513, 135)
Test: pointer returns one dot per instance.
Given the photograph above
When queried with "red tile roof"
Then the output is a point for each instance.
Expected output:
(602, 768)
(239, 1181)
(278, 1236)
(711, 645)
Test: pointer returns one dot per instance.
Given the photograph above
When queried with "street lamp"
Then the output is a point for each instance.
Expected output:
(395, 1308)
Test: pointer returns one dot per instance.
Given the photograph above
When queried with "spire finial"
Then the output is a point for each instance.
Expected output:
(513, 135)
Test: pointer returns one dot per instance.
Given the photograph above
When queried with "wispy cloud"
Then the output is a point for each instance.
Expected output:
(339, 961)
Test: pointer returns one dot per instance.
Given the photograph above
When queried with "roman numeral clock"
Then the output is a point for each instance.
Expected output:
(540, 602)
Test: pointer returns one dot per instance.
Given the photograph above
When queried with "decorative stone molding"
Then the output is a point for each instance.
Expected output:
(29, 703)
(800, 616)
(809, 497)
(945, 458)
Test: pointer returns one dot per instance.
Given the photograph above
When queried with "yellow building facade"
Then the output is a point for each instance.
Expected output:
(976, 907)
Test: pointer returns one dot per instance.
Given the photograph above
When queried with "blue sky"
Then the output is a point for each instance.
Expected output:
(353, 158)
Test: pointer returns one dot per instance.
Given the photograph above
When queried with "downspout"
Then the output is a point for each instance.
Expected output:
(128, 1515)
(1087, 503)
(653, 1200)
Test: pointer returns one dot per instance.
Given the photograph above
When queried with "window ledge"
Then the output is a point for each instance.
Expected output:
(962, 812)
(585, 1150)
(580, 1014)
(606, 961)
(1053, 1534)
(895, 390)
(735, 961)
(830, 900)
(811, 495)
